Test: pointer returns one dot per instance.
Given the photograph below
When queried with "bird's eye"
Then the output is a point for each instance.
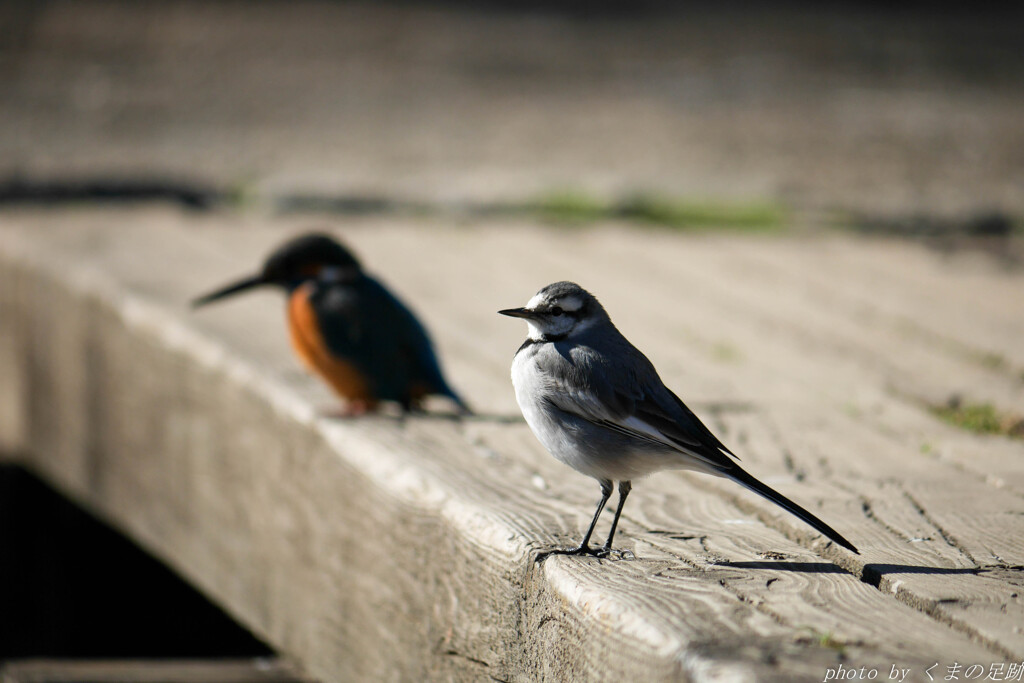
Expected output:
(556, 311)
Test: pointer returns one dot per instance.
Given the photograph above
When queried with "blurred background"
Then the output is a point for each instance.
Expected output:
(893, 117)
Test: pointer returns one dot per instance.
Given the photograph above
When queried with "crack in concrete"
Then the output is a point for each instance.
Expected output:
(946, 536)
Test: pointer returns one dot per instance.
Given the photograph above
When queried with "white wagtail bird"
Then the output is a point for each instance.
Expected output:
(597, 404)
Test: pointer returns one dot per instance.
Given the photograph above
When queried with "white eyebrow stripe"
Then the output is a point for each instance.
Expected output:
(571, 304)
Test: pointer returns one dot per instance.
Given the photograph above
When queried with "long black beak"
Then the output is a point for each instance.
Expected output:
(518, 313)
(233, 288)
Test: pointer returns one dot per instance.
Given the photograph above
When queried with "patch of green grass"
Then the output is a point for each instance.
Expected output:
(726, 353)
(824, 639)
(980, 418)
(827, 640)
(574, 206)
(682, 213)
(571, 206)
(992, 360)
(241, 195)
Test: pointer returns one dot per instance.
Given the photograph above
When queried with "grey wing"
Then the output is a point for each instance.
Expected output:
(630, 398)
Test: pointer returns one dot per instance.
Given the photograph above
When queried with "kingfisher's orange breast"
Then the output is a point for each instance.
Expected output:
(308, 342)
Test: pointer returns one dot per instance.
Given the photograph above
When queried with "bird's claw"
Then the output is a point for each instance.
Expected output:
(350, 410)
(357, 408)
(604, 552)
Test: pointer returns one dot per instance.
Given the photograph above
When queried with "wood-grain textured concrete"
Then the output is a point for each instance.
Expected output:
(149, 671)
(394, 548)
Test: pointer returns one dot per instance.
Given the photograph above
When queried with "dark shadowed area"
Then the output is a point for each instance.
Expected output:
(71, 587)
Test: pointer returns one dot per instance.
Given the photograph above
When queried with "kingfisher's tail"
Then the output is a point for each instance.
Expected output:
(463, 407)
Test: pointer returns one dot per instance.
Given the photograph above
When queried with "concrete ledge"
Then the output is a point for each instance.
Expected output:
(386, 548)
(337, 542)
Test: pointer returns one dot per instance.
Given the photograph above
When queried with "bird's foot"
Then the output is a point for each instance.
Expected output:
(578, 550)
(607, 553)
(604, 552)
(621, 555)
(356, 408)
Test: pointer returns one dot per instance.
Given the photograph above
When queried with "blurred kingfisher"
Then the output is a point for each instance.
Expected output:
(348, 328)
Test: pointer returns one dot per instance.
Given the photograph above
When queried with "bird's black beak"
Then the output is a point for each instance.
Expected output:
(518, 313)
(233, 288)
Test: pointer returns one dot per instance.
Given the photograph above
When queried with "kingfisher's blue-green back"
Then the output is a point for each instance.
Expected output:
(368, 326)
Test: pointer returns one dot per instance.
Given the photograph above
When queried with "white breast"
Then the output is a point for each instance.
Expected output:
(531, 387)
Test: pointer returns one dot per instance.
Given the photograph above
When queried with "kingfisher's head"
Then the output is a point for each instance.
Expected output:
(303, 258)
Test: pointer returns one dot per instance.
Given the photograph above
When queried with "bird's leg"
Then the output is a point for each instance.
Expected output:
(606, 492)
(624, 489)
(583, 548)
(357, 407)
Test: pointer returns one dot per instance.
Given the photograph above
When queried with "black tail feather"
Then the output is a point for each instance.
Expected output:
(741, 477)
